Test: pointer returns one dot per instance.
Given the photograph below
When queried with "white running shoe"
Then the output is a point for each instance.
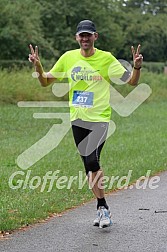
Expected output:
(103, 218)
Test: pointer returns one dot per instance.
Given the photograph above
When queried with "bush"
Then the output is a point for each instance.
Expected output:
(155, 67)
(13, 64)
(19, 64)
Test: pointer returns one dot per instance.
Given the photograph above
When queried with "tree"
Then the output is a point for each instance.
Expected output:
(20, 24)
(61, 17)
(52, 24)
(150, 32)
(147, 6)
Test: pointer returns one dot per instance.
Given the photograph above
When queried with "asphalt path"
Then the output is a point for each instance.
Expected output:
(139, 225)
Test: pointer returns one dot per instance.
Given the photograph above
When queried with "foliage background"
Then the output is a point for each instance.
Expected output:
(52, 24)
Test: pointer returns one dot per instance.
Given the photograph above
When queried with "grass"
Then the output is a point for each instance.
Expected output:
(20, 86)
(139, 144)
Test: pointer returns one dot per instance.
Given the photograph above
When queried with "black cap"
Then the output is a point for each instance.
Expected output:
(86, 26)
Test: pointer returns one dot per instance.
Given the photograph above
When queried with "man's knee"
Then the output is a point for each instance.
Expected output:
(91, 165)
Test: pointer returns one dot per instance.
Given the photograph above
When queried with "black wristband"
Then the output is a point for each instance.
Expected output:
(137, 68)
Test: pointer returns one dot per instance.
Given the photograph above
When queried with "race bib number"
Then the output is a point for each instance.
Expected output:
(82, 99)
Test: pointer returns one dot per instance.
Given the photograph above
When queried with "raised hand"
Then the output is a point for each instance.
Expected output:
(34, 57)
(137, 57)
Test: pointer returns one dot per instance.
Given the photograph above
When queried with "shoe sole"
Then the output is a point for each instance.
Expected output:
(96, 224)
(105, 226)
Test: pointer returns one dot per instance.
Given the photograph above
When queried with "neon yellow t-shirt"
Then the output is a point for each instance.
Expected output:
(89, 83)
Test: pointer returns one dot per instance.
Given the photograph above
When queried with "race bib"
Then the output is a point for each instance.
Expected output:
(83, 99)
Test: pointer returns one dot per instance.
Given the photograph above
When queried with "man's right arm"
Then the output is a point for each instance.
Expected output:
(44, 78)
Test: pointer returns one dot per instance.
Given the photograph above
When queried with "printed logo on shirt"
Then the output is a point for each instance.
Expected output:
(86, 74)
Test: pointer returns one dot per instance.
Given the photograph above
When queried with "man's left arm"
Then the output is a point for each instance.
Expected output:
(137, 63)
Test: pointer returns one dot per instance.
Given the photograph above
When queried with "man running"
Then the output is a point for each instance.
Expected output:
(89, 71)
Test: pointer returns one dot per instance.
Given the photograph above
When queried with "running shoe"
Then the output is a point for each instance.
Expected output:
(103, 218)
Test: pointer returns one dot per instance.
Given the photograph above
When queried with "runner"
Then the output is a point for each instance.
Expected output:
(89, 72)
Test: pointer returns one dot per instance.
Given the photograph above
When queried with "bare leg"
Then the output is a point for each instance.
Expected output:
(95, 180)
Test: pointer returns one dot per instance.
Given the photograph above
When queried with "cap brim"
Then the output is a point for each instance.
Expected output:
(88, 31)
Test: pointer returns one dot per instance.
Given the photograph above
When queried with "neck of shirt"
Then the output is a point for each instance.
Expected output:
(89, 53)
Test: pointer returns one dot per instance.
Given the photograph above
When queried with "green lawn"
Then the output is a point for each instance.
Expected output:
(138, 144)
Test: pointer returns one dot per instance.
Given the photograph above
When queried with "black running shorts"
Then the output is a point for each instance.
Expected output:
(89, 138)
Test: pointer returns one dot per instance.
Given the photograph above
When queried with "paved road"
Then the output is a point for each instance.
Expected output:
(139, 225)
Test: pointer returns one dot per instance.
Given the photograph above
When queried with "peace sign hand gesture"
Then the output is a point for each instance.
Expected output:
(137, 57)
(34, 57)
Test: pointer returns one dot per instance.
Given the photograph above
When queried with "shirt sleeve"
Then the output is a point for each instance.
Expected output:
(59, 69)
(115, 68)
(117, 72)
